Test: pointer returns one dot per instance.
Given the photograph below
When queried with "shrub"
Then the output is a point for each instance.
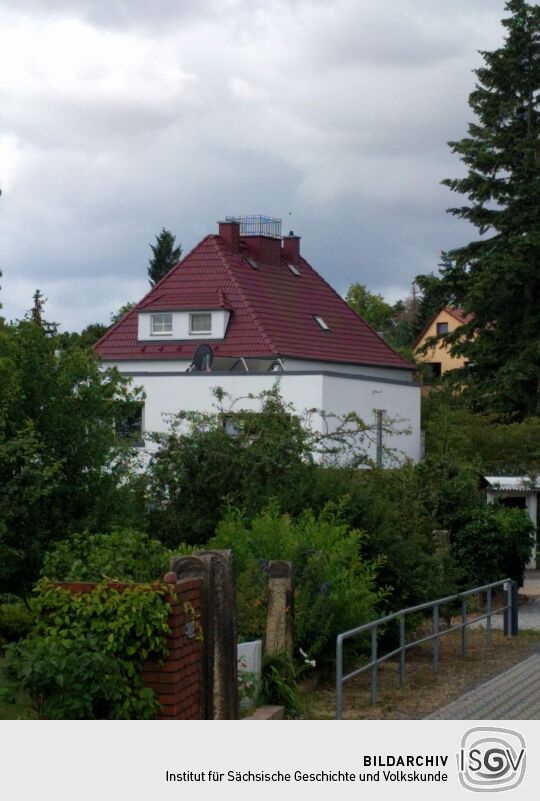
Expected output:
(85, 654)
(334, 587)
(15, 622)
(122, 555)
(495, 544)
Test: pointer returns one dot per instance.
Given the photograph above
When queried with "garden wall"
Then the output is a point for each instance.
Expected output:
(177, 682)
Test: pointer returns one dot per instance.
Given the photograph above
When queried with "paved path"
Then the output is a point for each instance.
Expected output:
(513, 695)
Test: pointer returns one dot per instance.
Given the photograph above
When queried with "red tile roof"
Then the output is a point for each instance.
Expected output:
(272, 312)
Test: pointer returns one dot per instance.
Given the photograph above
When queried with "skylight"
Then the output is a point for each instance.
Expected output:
(321, 323)
(294, 269)
(251, 262)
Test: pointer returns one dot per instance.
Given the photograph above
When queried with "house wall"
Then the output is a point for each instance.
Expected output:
(167, 394)
(355, 369)
(440, 352)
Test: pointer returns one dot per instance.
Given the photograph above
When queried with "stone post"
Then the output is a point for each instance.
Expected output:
(280, 615)
(223, 622)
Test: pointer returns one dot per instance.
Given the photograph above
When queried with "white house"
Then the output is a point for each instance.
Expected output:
(261, 309)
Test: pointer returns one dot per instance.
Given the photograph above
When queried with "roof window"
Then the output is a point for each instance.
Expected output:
(251, 262)
(293, 268)
(321, 323)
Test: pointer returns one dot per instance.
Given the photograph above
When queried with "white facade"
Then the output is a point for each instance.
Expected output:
(169, 389)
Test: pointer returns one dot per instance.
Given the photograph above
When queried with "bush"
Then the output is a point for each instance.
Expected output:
(15, 622)
(84, 656)
(334, 587)
(398, 510)
(495, 544)
(123, 555)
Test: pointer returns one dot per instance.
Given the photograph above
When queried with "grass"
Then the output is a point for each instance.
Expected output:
(425, 691)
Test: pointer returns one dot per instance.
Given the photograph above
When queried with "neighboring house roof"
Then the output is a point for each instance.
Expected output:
(272, 312)
(512, 483)
(458, 314)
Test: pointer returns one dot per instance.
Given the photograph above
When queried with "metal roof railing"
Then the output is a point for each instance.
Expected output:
(510, 628)
(258, 225)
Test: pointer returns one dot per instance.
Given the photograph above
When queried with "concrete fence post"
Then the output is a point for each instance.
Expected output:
(280, 614)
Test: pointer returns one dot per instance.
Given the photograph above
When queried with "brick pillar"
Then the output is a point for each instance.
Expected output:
(219, 620)
(177, 681)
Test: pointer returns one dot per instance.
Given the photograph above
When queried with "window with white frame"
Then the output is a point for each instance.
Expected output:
(200, 323)
(161, 324)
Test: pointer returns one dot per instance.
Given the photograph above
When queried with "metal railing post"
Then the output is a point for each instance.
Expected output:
(374, 665)
(402, 651)
(514, 616)
(339, 678)
(463, 627)
(488, 622)
(436, 641)
(507, 617)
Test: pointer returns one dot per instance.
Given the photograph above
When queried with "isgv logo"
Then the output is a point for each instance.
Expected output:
(491, 759)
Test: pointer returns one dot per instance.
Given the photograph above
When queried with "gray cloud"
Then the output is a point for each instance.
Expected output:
(118, 119)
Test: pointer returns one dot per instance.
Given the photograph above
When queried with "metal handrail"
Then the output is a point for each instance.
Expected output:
(510, 627)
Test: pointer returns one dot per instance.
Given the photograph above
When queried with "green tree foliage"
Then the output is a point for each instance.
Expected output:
(477, 440)
(122, 311)
(62, 468)
(497, 277)
(123, 555)
(432, 298)
(165, 254)
(244, 457)
(396, 323)
(86, 339)
(335, 587)
(494, 544)
(373, 308)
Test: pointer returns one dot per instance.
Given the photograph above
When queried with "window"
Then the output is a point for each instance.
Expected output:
(129, 423)
(252, 263)
(321, 323)
(433, 369)
(161, 324)
(442, 328)
(293, 268)
(200, 323)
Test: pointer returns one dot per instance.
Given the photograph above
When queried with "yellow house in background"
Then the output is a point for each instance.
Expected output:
(438, 359)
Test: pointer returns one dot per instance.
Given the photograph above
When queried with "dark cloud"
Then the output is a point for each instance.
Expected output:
(118, 119)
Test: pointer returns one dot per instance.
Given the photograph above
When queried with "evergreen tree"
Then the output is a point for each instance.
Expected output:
(497, 277)
(165, 256)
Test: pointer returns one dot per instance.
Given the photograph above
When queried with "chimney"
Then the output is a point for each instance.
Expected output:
(230, 232)
(291, 246)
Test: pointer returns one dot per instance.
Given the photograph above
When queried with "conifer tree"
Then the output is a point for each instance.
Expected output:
(165, 256)
(497, 276)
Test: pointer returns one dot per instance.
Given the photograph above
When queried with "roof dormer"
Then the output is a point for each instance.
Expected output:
(182, 324)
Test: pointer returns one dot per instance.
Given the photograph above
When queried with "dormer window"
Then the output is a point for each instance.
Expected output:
(200, 323)
(321, 323)
(161, 324)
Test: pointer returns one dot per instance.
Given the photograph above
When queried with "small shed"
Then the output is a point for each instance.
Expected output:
(517, 491)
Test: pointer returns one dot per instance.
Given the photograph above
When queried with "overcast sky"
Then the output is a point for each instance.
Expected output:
(120, 118)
